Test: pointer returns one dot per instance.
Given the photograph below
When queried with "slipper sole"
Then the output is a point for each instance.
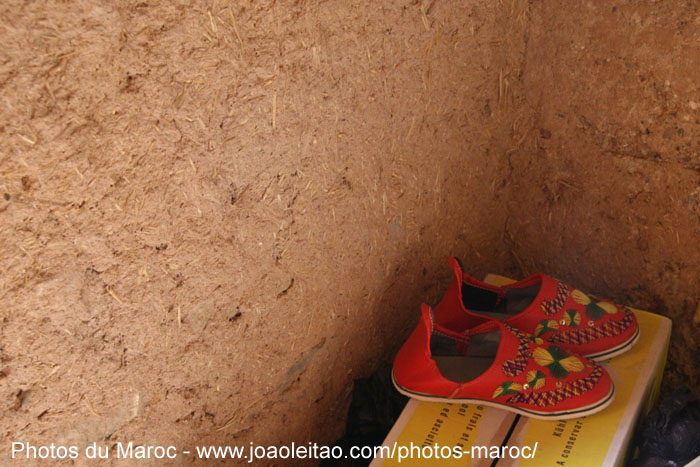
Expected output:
(614, 352)
(561, 415)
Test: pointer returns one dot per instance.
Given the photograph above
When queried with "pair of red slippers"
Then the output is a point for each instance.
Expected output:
(529, 347)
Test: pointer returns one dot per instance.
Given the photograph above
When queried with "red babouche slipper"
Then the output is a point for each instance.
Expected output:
(544, 307)
(497, 365)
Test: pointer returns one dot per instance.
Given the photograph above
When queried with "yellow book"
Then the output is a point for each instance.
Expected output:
(486, 434)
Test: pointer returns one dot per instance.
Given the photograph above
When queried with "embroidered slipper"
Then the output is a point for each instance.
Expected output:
(497, 365)
(544, 307)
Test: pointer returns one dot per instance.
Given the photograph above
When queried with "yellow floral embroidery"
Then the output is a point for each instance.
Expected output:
(608, 307)
(580, 297)
(542, 356)
(507, 388)
(535, 379)
(559, 362)
(545, 326)
(572, 364)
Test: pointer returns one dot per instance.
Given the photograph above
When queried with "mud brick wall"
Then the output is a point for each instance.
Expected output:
(606, 185)
(214, 216)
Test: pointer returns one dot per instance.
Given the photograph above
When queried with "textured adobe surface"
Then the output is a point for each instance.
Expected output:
(605, 190)
(213, 218)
